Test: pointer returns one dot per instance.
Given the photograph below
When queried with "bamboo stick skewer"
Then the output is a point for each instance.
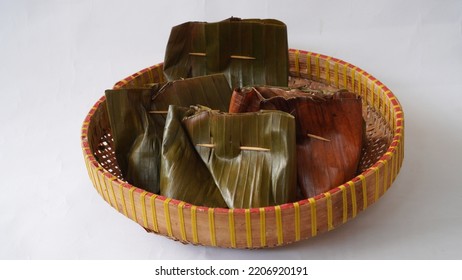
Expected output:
(318, 137)
(232, 56)
(244, 148)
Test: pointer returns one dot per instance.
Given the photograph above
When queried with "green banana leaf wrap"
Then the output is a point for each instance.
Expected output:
(212, 91)
(184, 176)
(138, 132)
(247, 178)
(137, 136)
(335, 116)
(247, 51)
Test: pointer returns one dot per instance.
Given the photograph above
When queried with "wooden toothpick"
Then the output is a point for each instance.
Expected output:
(232, 56)
(318, 137)
(244, 148)
(242, 57)
(197, 54)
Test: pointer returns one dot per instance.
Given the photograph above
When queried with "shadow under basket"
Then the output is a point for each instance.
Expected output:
(266, 226)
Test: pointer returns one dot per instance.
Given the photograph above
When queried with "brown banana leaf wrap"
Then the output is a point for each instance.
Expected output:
(247, 51)
(137, 119)
(245, 178)
(329, 127)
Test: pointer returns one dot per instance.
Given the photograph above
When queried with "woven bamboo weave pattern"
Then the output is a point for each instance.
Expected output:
(381, 161)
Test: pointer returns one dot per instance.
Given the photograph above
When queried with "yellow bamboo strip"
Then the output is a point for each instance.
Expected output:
(121, 190)
(167, 217)
(143, 208)
(213, 239)
(353, 79)
(336, 74)
(97, 182)
(354, 205)
(327, 67)
(330, 225)
(364, 188)
(181, 216)
(376, 171)
(106, 189)
(402, 151)
(317, 68)
(387, 107)
(394, 159)
(87, 164)
(297, 63)
(391, 160)
(262, 227)
(132, 203)
(297, 220)
(232, 232)
(378, 97)
(101, 184)
(344, 203)
(366, 87)
(113, 193)
(155, 226)
(277, 212)
(385, 174)
(397, 159)
(401, 157)
(248, 228)
(161, 74)
(345, 80)
(382, 99)
(194, 224)
(308, 65)
(373, 95)
(150, 76)
(314, 225)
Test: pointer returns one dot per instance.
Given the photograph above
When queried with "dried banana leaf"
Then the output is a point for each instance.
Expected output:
(137, 136)
(247, 51)
(250, 99)
(184, 175)
(250, 156)
(330, 131)
(212, 91)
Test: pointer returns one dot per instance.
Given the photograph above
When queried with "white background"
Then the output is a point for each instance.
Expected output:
(58, 57)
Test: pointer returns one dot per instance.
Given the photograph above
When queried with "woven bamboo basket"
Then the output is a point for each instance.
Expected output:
(267, 226)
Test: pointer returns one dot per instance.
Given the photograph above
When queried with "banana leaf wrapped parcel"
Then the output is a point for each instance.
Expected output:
(250, 157)
(330, 131)
(184, 176)
(246, 51)
(137, 118)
